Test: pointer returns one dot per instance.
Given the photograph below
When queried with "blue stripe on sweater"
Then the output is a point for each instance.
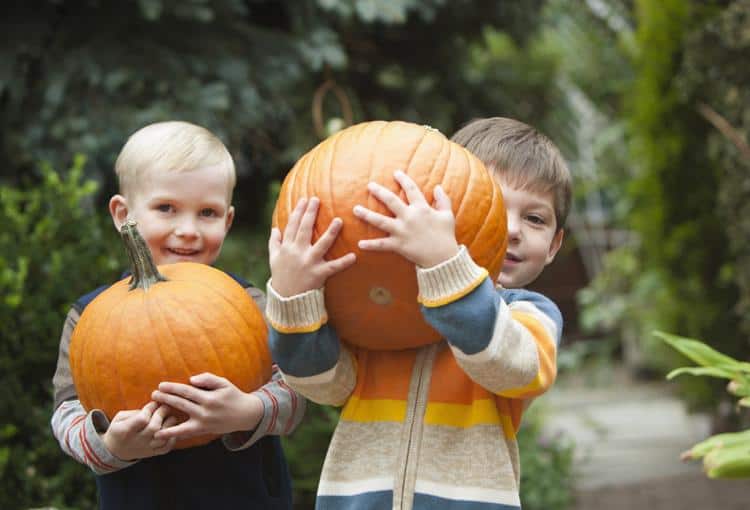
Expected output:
(384, 499)
(366, 501)
(305, 354)
(469, 322)
(424, 501)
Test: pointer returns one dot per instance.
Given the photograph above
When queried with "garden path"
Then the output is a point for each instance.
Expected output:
(629, 435)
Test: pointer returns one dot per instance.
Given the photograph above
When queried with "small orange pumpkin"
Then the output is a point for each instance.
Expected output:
(373, 304)
(165, 324)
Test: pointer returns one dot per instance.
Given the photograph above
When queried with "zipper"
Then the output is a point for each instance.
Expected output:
(409, 458)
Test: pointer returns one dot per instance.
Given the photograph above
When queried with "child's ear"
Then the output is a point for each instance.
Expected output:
(230, 218)
(118, 209)
(554, 246)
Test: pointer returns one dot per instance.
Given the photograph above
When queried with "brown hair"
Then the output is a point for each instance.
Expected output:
(521, 155)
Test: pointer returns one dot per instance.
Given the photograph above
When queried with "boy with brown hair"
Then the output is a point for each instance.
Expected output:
(176, 180)
(432, 427)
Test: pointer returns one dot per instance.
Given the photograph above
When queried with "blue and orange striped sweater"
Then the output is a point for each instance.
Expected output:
(433, 427)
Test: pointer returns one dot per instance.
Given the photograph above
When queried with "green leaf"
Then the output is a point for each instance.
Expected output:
(721, 372)
(700, 352)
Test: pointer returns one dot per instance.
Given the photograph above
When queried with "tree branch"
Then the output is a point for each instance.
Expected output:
(725, 128)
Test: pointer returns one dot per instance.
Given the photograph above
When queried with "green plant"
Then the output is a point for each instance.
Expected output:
(546, 465)
(724, 455)
(53, 248)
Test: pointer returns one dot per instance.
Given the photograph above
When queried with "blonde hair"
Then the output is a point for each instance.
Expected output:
(521, 155)
(171, 146)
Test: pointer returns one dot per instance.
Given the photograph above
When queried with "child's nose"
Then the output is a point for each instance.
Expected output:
(186, 228)
(514, 227)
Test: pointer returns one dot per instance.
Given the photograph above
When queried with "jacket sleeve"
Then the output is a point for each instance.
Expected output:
(79, 435)
(308, 351)
(506, 341)
(77, 431)
(283, 409)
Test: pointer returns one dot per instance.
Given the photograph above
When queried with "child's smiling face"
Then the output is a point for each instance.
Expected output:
(533, 236)
(183, 216)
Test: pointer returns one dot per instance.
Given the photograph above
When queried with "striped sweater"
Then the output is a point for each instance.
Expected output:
(79, 432)
(433, 427)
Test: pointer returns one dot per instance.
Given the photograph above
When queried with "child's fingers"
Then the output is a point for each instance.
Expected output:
(292, 225)
(379, 244)
(384, 223)
(334, 266)
(186, 391)
(157, 419)
(160, 447)
(442, 200)
(274, 241)
(324, 242)
(171, 421)
(413, 194)
(387, 197)
(305, 231)
(208, 381)
(184, 430)
(185, 405)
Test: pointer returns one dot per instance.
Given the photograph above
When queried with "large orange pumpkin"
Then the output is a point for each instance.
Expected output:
(373, 304)
(165, 324)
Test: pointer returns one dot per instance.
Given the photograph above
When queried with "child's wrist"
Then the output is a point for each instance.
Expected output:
(439, 256)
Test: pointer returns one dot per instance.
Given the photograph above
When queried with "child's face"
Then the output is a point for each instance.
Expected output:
(533, 237)
(183, 216)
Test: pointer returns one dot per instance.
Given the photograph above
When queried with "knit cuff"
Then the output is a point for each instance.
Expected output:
(301, 313)
(449, 281)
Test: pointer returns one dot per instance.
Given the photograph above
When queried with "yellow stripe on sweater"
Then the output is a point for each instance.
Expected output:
(365, 410)
(480, 412)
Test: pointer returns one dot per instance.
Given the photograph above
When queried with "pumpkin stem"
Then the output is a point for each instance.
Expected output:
(145, 273)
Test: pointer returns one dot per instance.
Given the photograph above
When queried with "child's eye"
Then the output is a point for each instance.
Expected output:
(165, 208)
(536, 220)
(208, 212)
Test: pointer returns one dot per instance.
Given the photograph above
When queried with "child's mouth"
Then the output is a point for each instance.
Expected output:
(182, 252)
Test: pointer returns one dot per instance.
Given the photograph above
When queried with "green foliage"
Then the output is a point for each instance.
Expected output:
(724, 455)
(714, 74)
(52, 250)
(546, 466)
(676, 273)
(77, 76)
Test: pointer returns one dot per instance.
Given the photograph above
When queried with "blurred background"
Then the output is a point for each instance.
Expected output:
(648, 100)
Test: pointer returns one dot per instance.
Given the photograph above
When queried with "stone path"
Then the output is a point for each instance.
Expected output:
(629, 436)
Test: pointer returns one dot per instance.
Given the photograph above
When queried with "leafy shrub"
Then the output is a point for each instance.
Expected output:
(725, 455)
(546, 466)
(53, 248)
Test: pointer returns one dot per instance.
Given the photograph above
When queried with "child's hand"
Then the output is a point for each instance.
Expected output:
(297, 265)
(213, 404)
(130, 436)
(420, 233)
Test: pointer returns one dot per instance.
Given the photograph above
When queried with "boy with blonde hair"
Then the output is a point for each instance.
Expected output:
(433, 427)
(176, 180)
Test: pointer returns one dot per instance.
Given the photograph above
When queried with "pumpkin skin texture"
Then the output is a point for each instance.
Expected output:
(199, 320)
(373, 304)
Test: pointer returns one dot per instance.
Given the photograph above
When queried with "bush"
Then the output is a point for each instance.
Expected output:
(546, 466)
(53, 248)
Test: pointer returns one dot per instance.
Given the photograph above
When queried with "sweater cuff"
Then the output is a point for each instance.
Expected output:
(449, 281)
(301, 313)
